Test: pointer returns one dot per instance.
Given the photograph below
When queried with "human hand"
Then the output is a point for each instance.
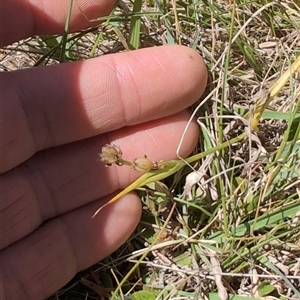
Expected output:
(54, 121)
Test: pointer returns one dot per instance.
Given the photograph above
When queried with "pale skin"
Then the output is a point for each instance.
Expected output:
(54, 121)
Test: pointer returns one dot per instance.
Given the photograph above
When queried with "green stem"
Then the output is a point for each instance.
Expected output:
(170, 167)
(216, 148)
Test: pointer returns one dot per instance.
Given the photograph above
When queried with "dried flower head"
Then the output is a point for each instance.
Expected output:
(144, 164)
(111, 154)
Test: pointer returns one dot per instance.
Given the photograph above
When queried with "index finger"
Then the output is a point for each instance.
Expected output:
(49, 106)
(23, 18)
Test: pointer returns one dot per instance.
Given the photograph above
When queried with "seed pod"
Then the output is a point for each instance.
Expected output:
(111, 154)
(144, 164)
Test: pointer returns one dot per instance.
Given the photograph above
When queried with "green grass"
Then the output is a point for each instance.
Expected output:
(242, 219)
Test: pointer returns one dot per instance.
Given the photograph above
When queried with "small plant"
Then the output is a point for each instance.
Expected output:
(112, 154)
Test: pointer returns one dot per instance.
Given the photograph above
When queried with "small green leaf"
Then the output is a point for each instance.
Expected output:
(143, 295)
(183, 259)
(265, 289)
